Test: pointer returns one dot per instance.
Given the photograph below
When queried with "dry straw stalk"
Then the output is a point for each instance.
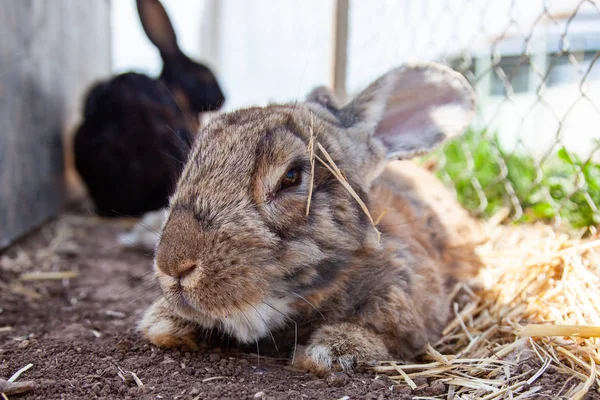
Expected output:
(534, 309)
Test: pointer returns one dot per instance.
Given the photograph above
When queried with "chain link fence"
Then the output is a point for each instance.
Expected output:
(533, 151)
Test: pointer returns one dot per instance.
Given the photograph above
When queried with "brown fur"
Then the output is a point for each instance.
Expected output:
(237, 255)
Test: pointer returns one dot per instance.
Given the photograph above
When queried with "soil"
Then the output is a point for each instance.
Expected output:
(80, 334)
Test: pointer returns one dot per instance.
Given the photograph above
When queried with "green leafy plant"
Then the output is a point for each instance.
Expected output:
(487, 179)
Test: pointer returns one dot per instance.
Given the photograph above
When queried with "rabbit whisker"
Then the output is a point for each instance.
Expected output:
(311, 304)
(185, 114)
(144, 275)
(208, 335)
(121, 289)
(140, 223)
(181, 162)
(257, 353)
(147, 306)
(183, 145)
(256, 340)
(267, 326)
(147, 292)
(137, 249)
(295, 330)
(117, 247)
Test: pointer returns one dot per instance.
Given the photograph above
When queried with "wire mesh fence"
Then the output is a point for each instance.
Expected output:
(534, 148)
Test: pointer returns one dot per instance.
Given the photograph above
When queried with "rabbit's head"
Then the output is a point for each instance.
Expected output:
(194, 85)
(238, 236)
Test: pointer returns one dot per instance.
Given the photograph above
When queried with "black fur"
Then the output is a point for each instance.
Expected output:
(135, 136)
(132, 145)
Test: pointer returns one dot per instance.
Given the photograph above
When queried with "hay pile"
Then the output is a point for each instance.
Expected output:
(494, 347)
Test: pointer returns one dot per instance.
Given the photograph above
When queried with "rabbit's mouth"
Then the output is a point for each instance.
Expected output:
(257, 321)
(246, 324)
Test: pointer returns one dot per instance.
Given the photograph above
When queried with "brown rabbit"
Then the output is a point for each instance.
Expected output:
(239, 253)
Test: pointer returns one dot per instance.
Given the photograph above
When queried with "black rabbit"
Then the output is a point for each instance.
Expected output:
(137, 131)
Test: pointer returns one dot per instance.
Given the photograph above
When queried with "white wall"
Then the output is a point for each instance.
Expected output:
(267, 50)
(131, 49)
(277, 50)
(274, 50)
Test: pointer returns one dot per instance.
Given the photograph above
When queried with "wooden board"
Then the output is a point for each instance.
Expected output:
(50, 52)
(340, 48)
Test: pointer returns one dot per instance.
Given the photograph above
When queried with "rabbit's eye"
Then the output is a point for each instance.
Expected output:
(291, 178)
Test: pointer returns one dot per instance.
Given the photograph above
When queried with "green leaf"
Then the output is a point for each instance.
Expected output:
(543, 210)
(565, 156)
(477, 155)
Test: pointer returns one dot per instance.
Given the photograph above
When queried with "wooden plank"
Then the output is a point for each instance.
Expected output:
(210, 35)
(340, 48)
(50, 52)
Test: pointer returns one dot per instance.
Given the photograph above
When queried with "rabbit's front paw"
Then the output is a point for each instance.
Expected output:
(164, 329)
(341, 347)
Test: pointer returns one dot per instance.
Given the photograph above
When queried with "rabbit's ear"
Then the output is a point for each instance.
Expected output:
(157, 26)
(413, 108)
(325, 97)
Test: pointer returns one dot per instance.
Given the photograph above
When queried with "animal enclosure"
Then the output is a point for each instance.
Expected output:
(532, 150)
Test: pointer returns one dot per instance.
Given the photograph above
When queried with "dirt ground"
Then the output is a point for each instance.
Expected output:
(80, 336)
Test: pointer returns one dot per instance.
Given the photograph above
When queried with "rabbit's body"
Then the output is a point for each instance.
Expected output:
(414, 197)
(132, 144)
(137, 131)
(240, 254)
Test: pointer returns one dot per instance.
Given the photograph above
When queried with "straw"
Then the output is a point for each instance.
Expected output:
(537, 309)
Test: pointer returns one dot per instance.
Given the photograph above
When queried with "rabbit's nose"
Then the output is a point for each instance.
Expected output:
(178, 270)
(185, 269)
(178, 253)
(187, 273)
